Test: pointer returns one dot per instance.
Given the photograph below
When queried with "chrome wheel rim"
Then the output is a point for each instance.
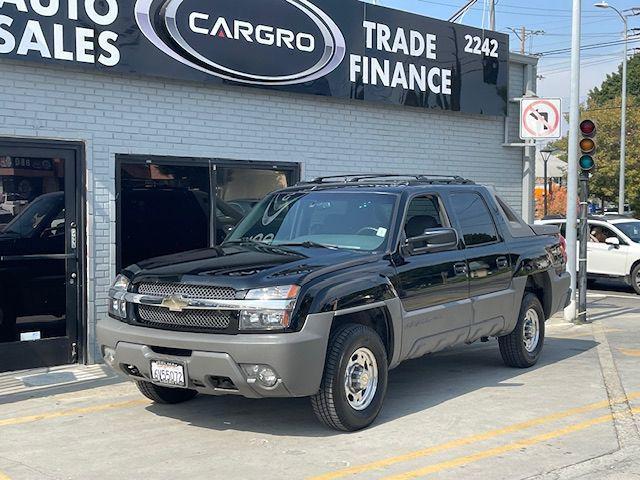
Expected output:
(531, 328)
(638, 279)
(361, 378)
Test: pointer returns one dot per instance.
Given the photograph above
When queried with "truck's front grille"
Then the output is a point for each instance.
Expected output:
(201, 320)
(187, 291)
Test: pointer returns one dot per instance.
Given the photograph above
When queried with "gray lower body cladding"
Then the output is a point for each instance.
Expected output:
(298, 358)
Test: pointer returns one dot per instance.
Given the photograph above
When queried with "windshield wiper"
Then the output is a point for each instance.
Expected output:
(243, 241)
(306, 244)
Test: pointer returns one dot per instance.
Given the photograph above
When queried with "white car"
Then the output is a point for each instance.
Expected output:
(613, 250)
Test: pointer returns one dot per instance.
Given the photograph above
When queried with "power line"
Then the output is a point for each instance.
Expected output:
(518, 9)
(587, 47)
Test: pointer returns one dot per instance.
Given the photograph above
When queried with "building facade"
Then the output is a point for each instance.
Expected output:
(108, 164)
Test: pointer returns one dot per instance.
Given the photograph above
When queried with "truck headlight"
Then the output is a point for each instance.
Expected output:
(117, 303)
(263, 317)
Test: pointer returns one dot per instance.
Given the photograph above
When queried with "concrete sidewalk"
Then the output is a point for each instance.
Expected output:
(458, 414)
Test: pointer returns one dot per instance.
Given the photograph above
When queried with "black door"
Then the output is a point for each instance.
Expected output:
(488, 262)
(434, 287)
(39, 241)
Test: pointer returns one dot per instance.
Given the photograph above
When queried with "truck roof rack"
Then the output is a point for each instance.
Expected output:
(405, 178)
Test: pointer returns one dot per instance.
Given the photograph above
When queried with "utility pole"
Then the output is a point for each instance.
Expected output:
(492, 15)
(584, 238)
(623, 122)
(572, 178)
(522, 33)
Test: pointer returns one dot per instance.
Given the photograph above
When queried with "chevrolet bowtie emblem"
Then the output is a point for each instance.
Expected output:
(175, 303)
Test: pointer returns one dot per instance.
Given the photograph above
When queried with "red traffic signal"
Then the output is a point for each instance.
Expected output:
(588, 128)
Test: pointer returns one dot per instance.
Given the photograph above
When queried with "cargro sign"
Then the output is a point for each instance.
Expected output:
(338, 48)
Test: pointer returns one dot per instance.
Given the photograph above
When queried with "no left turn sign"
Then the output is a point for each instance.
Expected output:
(540, 118)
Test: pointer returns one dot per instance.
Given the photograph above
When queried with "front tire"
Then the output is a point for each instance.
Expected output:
(522, 347)
(635, 278)
(164, 395)
(355, 379)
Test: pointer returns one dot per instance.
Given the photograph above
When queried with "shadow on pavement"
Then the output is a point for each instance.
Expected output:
(414, 386)
(60, 389)
(611, 285)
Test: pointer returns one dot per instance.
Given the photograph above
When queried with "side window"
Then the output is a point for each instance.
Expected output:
(478, 227)
(600, 233)
(423, 214)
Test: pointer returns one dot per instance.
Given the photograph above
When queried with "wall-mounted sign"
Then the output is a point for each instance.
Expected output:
(540, 118)
(338, 48)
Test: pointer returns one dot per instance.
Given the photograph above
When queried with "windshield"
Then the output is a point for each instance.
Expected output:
(350, 220)
(631, 230)
(32, 217)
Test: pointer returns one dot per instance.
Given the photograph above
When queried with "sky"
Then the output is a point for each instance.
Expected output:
(554, 18)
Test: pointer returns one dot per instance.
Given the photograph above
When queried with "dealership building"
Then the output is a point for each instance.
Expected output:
(130, 129)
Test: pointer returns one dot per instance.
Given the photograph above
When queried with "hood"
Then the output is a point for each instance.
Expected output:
(245, 266)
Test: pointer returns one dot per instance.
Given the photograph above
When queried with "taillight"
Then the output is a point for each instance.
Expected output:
(563, 247)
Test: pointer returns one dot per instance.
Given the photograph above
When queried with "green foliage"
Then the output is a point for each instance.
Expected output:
(603, 107)
(611, 88)
(605, 181)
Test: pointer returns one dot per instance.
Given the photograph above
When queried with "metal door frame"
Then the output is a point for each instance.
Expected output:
(77, 304)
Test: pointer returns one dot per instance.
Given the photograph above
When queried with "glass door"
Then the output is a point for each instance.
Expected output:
(39, 240)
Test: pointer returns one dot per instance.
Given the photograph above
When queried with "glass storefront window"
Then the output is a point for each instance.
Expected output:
(164, 207)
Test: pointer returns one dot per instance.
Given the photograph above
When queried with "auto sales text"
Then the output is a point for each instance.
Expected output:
(414, 44)
(88, 46)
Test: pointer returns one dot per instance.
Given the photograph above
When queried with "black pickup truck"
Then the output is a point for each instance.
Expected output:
(326, 286)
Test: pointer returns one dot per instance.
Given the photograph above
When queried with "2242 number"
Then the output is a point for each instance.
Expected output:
(479, 46)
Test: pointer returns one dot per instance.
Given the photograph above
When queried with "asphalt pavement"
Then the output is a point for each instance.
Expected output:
(457, 414)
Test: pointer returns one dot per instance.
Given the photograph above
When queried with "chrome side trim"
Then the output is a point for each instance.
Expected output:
(359, 308)
(205, 304)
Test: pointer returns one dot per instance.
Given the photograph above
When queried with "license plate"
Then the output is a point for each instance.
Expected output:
(168, 373)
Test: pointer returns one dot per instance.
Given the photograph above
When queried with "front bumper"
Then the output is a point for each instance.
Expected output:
(298, 358)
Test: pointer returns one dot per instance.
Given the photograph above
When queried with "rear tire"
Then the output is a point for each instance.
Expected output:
(164, 395)
(354, 383)
(522, 347)
(635, 278)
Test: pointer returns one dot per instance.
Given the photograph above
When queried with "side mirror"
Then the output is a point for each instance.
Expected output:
(613, 241)
(437, 239)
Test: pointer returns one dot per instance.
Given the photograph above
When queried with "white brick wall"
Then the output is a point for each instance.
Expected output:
(133, 115)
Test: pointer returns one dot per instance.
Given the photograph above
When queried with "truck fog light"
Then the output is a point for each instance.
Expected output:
(109, 355)
(118, 308)
(263, 374)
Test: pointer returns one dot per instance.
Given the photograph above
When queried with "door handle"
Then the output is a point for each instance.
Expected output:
(74, 236)
(502, 262)
(460, 269)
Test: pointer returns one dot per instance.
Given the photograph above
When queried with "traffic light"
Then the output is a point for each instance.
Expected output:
(587, 146)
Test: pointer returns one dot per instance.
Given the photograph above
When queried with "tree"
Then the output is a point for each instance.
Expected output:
(603, 107)
(557, 203)
(612, 86)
